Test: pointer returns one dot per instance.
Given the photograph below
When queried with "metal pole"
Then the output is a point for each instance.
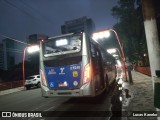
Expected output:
(23, 60)
(151, 35)
(123, 56)
(23, 71)
(119, 54)
(130, 74)
(152, 39)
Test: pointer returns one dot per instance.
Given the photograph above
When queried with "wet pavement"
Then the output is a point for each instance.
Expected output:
(119, 103)
(138, 97)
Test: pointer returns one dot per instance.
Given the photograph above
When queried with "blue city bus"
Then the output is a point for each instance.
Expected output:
(74, 65)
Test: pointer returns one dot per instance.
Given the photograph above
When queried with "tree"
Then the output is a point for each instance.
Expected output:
(16, 72)
(130, 28)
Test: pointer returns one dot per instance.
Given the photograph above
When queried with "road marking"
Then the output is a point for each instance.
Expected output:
(42, 105)
(52, 108)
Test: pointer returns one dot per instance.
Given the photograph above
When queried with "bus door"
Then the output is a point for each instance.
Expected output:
(97, 67)
(101, 72)
(110, 70)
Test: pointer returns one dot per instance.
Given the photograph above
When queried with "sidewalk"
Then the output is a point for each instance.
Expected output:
(141, 97)
(4, 92)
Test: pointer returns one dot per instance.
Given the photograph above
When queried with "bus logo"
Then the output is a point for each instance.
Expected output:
(51, 84)
(62, 71)
(51, 71)
(75, 74)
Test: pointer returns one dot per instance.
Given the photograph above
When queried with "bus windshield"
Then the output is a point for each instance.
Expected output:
(64, 45)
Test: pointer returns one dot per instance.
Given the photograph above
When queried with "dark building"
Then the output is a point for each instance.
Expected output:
(1, 56)
(78, 25)
(7, 54)
(35, 38)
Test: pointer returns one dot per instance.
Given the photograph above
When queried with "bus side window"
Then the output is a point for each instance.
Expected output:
(108, 62)
(95, 58)
(103, 57)
(95, 54)
(93, 51)
(112, 60)
(113, 64)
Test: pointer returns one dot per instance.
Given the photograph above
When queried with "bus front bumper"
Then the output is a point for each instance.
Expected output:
(85, 90)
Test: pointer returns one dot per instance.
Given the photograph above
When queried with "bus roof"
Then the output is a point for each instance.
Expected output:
(63, 35)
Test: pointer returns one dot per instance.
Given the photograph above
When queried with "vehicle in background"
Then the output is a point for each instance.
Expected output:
(75, 65)
(33, 81)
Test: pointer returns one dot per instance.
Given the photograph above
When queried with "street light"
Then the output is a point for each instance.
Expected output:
(113, 52)
(101, 35)
(115, 55)
(33, 48)
(105, 34)
(30, 49)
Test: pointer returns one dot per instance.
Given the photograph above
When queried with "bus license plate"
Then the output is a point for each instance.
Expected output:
(64, 84)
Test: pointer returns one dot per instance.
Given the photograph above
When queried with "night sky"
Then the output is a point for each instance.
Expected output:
(20, 18)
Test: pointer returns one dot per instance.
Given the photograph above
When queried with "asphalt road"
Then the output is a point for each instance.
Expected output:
(59, 107)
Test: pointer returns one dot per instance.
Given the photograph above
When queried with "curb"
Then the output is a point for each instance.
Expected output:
(4, 92)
